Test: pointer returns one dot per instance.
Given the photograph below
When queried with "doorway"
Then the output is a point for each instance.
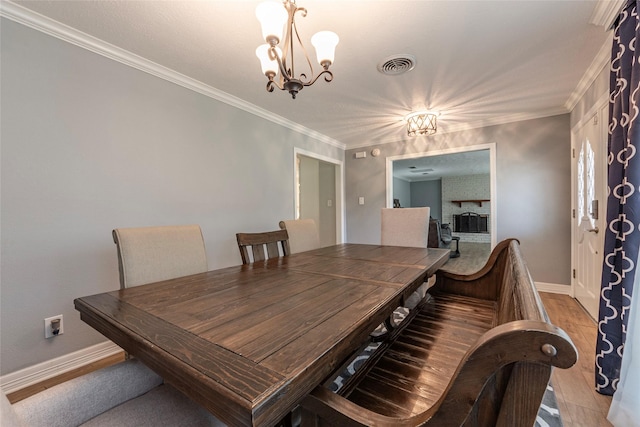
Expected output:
(588, 166)
(318, 183)
(443, 209)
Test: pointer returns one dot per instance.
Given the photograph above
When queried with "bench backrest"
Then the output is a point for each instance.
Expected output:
(517, 296)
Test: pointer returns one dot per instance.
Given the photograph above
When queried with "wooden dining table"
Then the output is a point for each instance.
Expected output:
(249, 342)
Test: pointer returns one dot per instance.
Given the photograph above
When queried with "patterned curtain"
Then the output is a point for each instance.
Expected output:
(622, 236)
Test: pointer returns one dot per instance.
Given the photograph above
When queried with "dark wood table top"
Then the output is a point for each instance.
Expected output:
(249, 342)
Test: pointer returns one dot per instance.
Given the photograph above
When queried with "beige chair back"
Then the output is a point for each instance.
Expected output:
(303, 234)
(405, 227)
(152, 254)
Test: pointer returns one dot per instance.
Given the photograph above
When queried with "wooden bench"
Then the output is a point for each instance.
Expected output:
(478, 352)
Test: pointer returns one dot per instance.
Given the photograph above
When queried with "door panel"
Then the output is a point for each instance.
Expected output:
(589, 168)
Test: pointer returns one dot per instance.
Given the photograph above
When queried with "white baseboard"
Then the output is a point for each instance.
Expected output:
(43, 371)
(553, 288)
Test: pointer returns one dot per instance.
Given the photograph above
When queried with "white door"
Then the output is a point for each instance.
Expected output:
(589, 202)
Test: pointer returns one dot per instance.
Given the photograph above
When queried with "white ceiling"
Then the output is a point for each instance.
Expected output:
(478, 62)
(447, 165)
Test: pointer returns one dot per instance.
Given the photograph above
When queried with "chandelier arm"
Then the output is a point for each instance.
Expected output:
(271, 84)
(328, 76)
(287, 51)
(284, 75)
(304, 51)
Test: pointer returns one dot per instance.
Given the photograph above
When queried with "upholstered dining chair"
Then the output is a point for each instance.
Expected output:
(125, 394)
(405, 227)
(303, 234)
(152, 254)
(261, 246)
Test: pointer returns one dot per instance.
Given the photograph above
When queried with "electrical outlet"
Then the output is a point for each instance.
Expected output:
(49, 330)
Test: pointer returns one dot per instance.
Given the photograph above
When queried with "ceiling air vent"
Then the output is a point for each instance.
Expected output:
(397, 64)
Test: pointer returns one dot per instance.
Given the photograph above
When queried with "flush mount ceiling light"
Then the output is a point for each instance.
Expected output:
(421, 123)
(277, 63)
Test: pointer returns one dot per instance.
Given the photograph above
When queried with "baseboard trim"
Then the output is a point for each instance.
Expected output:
(43, 371)
(553, 288)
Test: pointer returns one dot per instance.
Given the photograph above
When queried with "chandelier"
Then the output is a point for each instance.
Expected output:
(278, 63)
(421, 123)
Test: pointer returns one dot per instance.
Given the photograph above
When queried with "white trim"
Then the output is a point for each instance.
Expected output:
(63, 32)
(43, 371)
(606, 12)
(600, 62)
(602, 101)
(492, 176)
(553, 288)
(340, 214)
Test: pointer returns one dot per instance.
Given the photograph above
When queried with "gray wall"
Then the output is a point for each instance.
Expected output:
(89, 144)
(428, 193)
(402, 192)
(533, 188)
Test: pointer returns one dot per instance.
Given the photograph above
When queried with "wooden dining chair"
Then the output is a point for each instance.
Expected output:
(261, 246)
(152, 254)
(303, 234)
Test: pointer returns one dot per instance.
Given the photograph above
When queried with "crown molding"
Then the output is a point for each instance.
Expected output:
(605, 13)
(68, 34)
(601, 61)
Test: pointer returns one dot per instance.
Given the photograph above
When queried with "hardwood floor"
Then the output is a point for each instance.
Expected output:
(473, 257)
(579, 403)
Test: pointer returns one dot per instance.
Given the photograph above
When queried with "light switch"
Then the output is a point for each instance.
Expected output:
(329, 203)
(361, 200)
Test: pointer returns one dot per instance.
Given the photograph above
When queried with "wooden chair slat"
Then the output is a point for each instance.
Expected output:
(262, 246)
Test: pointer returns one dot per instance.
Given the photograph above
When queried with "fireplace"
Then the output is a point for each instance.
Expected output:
(470, 222)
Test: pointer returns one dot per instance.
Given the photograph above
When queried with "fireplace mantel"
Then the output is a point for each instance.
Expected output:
(478, 201)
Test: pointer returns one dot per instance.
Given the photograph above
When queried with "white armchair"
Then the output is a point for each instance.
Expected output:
(124, 394)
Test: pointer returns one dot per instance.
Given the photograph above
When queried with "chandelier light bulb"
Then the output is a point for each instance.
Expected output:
(325, 43)
(269, 66)
(272, 17)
